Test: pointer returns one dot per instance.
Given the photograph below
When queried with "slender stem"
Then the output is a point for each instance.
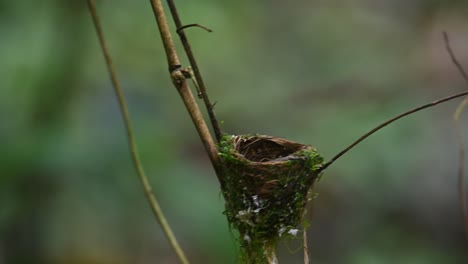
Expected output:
(306, 247)
(461, 167)
(131, 139)
(193, 25)
(183, 88)
(384, 124)
(461, 147)
(304, 230)
(196, 70)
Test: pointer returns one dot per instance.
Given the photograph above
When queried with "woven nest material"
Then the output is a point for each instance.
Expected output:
(266, 185)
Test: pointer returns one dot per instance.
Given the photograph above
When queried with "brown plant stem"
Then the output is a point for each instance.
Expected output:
(196, 70)
(461, 147)
(384, 124)
(131, 139)
(180, 82)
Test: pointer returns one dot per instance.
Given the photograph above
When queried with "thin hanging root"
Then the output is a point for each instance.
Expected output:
(461, 147)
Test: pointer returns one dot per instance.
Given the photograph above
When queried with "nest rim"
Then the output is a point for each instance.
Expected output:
(285, 149)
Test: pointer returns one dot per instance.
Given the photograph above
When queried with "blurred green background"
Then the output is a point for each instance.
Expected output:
(316, 72)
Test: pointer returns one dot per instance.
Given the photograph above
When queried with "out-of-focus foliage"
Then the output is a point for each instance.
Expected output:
(317, 72)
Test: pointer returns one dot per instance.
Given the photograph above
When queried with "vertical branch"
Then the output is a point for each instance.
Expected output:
(183, 88)
(169, 48)
(196, 70)
(131, 139)
(306, 247)
(461, 147)
(461, 166)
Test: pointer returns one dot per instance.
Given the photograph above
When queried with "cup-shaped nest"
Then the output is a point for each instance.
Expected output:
(266, 181)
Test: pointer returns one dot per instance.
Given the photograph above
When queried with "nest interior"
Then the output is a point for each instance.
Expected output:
(266, 186)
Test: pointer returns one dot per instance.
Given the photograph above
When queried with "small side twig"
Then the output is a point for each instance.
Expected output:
(131, 139)
(196, 70)
(461, 147)
(193, 25)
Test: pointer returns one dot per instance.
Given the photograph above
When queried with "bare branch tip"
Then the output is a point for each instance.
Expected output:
(453, 57)
(445, 34)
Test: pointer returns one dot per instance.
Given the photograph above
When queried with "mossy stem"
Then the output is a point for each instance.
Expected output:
(131, 139)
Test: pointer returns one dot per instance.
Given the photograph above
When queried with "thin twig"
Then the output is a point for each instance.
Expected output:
(461, 147)
(131, 139)
(183, 88)
(384, 124)
(196, 70)
(457, 64)
(193, 25)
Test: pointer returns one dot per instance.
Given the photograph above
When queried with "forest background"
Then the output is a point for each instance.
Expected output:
(317, 72)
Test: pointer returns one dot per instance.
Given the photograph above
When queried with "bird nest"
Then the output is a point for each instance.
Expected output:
(266, 182)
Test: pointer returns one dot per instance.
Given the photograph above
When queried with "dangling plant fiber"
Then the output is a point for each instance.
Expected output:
(266, 187)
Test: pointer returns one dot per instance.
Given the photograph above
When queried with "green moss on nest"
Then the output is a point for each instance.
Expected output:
(266, 185)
